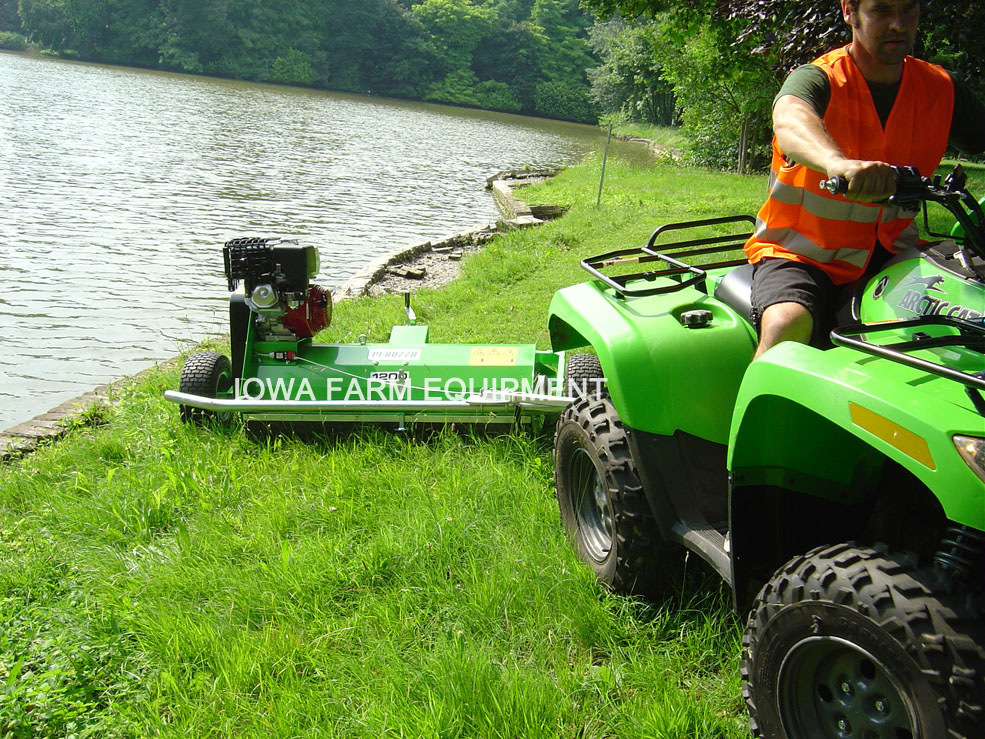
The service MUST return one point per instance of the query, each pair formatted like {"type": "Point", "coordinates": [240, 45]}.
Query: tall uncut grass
{"type": "Point", "coordinates": [158, 579]}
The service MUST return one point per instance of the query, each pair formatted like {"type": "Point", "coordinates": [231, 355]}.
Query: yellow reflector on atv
{"type": "Point", "coordinates": [892, 433]}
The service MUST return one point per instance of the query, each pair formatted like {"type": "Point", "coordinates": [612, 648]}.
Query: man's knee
{"type": "Point", "coordinates": [784, 322]}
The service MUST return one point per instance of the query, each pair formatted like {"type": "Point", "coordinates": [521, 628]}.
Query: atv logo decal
{"type": "Point", "coordinates": [929, 283]}
{"type": "Point", "coordinates": [916, 300]}
{"type": "Point", "coordinates": [880, 288]}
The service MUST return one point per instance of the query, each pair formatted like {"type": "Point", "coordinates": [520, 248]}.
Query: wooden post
{"type": "Point", "coordinates": [605, 156]}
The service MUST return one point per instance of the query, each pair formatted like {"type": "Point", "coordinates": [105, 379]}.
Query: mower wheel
{"type": "Point", "coordinates": [850, 641]}
{"type": "Point", "coordinates": [604, 510]}
{"type": "Point", "coordinates": [583, 375]}
{"type": "Point", "coordinates": [208, 374]}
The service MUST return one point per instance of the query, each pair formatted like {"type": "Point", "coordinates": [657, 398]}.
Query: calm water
{"type": "Point", "coordinates": [118, 188]}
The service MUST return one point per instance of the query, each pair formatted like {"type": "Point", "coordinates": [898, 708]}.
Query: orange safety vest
{"type": "Point", "coordinates": [802, 222]}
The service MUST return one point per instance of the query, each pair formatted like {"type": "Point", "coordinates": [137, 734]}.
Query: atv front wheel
{"type": "Point", "coordinates": [855, 642]}
{"type": "Point", "coordinates": [603, 507]}
{"type": "Point", "coordinates": [207, 374]}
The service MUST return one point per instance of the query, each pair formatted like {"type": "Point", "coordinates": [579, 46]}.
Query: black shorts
{"type": "Point", "coordinates": [786, 281]}
{"type": "Point", "coordinates": [776, 280]}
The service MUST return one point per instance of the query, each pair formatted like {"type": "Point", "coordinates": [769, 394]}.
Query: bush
{"type": "Point", "coordinates": [564, 101]}
{"type": "Point", "coordinates": [295, 69]}
{"type": "Point", "coordinates": [12, 41]}
{"type": "Point", "coordinates": [497, 96]}
{"type": "Point", "coordinates": [457, 87]}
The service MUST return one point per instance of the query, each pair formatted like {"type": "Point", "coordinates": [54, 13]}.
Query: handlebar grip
{"type": "Point", "coordinates": [836, 185]}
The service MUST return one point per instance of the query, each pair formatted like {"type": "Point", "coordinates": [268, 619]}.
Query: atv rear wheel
{"type": "Point", "coordinates": [207, 374]}
{"type": "Point", "coordinates": [603, 507]}
{"type": "Point", "coordinates": [856, 642]}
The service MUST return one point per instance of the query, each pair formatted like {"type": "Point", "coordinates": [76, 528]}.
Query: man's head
{"type": "Point", "coordinates": [883, 31]}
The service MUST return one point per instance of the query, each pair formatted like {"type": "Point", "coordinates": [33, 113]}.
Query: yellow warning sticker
{"type": "Point", "coordinates": [493, 356]}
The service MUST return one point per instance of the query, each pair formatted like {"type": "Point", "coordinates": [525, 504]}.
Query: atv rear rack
{"type": "Point", "coordinates": [682, 273]}
{"type": "Point", "coordinates": [969, 336]}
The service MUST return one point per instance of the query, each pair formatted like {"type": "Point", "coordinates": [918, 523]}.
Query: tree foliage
{"type": "Point", "coordinates": [630, 81]}
{"type": "Point", "coordinates": [9, 20]}
{"type": "Point", "coordinates": [488, 53]}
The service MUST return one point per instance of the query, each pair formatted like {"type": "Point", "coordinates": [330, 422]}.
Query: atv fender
{"type": "Point", "coordinates": [662, 375]}
{"type": "Point", "coordinates": [823, 422]}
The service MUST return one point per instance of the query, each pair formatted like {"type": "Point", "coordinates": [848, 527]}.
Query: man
{"type": "Point", "coordinates": [852, 113]}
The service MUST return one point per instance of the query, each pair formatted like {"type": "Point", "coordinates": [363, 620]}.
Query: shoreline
{"type": "Point", "coordinates": [440, 261]}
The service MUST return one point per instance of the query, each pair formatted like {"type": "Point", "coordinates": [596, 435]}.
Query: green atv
{"type": "Point", "coordinates": [839, 491]}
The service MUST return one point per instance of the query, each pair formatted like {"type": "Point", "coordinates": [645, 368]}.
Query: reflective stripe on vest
{"type": "Point", "coordinates": [799, 221]}
{"type": "Point", "coordinates": [801, 245]}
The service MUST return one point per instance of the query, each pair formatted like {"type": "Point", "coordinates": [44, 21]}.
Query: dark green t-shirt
{"type": "Point", "coordinates": [810, 83]}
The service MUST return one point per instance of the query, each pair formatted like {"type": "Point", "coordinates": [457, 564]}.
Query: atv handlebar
{"type": "Point", "coordinates": [909, 184]}
{"type": "Point", "coordinates": [913, 189]}
{"type": "Point", "coordinates": [837, 185]}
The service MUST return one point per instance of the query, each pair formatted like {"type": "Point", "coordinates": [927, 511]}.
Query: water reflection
{"type": "Point", "coordinates": [119, 186]}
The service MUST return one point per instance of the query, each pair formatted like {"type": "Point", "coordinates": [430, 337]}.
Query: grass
{"type": "Point", "coordinates": [158, 579]}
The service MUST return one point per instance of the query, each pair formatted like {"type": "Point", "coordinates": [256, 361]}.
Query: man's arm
{"type": "Point", "coordinates": [802, 136]}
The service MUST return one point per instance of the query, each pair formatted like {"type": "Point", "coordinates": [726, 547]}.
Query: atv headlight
{"type": "Point", "coordinates": [972, 451]}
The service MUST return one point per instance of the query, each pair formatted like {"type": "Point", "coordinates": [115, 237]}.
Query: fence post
{"type": "Point", "coordinates": [605, 156]}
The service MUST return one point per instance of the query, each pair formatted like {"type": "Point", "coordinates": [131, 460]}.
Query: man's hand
{"type": "Point", "coordinates": [868, 182]}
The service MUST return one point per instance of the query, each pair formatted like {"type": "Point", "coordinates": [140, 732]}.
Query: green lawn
{"type": "Point", "coordinates": [161, 579]}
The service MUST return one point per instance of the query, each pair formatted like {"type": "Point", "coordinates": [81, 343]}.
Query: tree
{"type": "Point", "coordinates": [630, 81]}
{"type": "Point", "coordinates": [9, 20]}
{"type": "Point", "coordinates": [724, 98]}
{"type": "Point", "coordinates": [47, 24]}
{"type": "Point", "coordinates": [133, 32]}
{"type": "Point", "coordinates": [563, 60]}
{"type": "Point", "coordinates": [456, 27]}
{"type": "Point", "coordinates": [511, 57]}
{"type": "Point", "coordinates": [399, 64]}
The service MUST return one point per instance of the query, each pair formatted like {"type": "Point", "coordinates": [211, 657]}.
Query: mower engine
{"type": "Point", "coordinates": [275, 274]}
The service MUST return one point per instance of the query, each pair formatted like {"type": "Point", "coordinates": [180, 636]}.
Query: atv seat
{"type": "Point", "coordinates": [735, 290]}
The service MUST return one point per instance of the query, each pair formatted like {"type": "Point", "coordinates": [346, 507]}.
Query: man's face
{"type": "Point", "coordinates": [886, 28]}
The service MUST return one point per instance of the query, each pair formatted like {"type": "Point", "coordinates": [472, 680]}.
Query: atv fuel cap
{"type": "Point", "coordinates": [696, 318]}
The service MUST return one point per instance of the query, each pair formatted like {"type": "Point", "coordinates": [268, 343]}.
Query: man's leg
{"type": "Point", "coordinates": [784, 322]}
